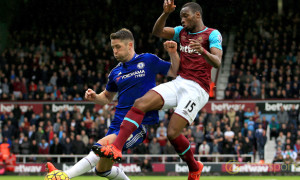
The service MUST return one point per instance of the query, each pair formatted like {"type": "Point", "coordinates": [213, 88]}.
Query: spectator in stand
{"type": "Point", "coordinates": [264, 123]}
{"type": "Point", "coordinates": [289, 153]}
{"type": "Point", "coordinates": [261, 140]}
{"type": "Point", "coordinates": [154, 147]}
{"type": "Point", "coordinates": [274, 128]}
{"type": "Point", "coordinates": [43, 147]}
{"type": "Point", "coordinates": [282, 116]}
{"type": "Point", "coordinates": [204, 149]}
{"type": "Point", "coordinates": [297, 148]}
{"type": "Point", "coordinates": [213, 118]}
{"type": "Point", "coordinates": [162, 140]}
{"type": "Point", "coordinates": [161, 129]}
{"type": "Point", "coordinates": [281, 137]}
{"type": "Point", "coordinates": [146, 166]}
{"type": "Point", "coordinates": [231, 115]}
{"type": "Point", "coordinates": [25, 146]}
{"type": "Point", "coordinates": [248, 114]}
{"type": "Point", "coordinates": [293, 116]}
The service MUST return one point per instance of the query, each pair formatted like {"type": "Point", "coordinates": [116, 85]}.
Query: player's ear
{"type": "Point", "coordinates": [198, 14]}
{"type": "Point", "coordinates": [131, 44]}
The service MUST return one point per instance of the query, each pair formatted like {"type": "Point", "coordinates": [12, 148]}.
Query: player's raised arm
{"type": "Point", "coordinates": [103, 98]}
{"type": "Point", "coordinates": [159, 28]}
{"type": "Point", "coordinates": [171, 48]}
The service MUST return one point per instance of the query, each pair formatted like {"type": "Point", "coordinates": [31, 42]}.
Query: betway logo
{"type": "Point", "coordinates": [56, 108]}
{"type": "Point", "coordinates": [187, 49]}
{"type": "Point", "coordinates": [185, 168]}
{"type": "Point", "coordinates": [24, 168]}
{"type": "Point", "coordinates": [130, 168]}
{"type": "Point", "coordinates": [250, 168]}
{"type": "Point", "coordinates": [136, 74]}
{"type": "Point", "coordinates": [276, 106]}
{"type": "Point", "coordinates": [9, 108]}
{"type": "Point", "coordinates": [221, 107]}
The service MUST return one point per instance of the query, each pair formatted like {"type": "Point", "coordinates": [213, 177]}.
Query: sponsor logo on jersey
{"type": "Point", "coordinates": [136, 74]}
{"type": "Point", "coordinates": [183, 38]}
{"type": "Point", "coordinates": [140, 65]}
{"type": "Point", "coordinates": [187, 49]}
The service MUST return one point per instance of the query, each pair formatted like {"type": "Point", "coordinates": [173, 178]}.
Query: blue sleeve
{"type": "Point", "coordinates": [111, 86]}
{"type": "Point", "coordinates": [159, 66]}
{"type": "Point", "coordinates": [215, 39]}
{"type": "Point", "coordinates": [177, 31]}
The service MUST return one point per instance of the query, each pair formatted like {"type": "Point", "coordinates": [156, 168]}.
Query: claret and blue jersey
{"type": "Point", "coordinates": [132, 80]}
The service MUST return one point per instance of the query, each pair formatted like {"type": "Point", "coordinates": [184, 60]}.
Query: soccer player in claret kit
{"type": "Point", "coordinates": [200, 50]}
{"type": "Point", "coordinates": [131, 79]}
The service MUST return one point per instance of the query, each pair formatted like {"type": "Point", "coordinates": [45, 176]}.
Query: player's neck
{"type": "Point", "coordinates": [130, 56]}
{"type": "Point", "coordinates": [199, 27]}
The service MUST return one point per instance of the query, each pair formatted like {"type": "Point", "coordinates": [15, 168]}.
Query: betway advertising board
{"type": "Point", "coordinates": [266, 107]}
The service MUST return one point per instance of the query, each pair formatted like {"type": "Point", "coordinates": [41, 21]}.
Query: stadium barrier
{"type": "Point", "coordinates": [231, 167]}
{"type": "Point", "coordinates": [129, 158]}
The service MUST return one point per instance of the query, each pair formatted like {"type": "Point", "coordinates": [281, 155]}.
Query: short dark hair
{"type": "Point", "coordinates": [122, 34]}
{"type": "Point", "coordinates": [195, 7]}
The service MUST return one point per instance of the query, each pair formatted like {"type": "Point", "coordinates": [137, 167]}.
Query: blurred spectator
{"type": "Point", "coordinates": [274, 128]}
{"type": "Point", "coordinates": [146, 166]}
{"type": "Point", "coordinates": [154, 147]}
{"type": "Point", "coordinates": [43, 147]}
{"type": "Point", "coordinates": [282, 116]}
{"type": "Point", "coordinates": [204, 148]}
{"type": "Point", "coordinates": [78, 145]}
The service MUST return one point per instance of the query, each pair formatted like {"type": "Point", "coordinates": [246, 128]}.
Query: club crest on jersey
{"type": "Point", "coordinates": [220, 39]}
{"type": "Point", "coordinates": [141, 65]}
{"type": "Point", "coordinates": [118, 78]}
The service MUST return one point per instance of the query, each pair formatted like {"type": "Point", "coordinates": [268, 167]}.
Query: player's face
{"type": "Point", "coordinates": [188, 19]}
{"type": "Point", "coordinates": [120, 49]}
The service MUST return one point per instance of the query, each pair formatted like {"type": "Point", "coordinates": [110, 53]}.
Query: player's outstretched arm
{"type": "Point", "coordinates": [103, 98]}
{"type": "Point", "coordinates": [171, 48]}
{"type": "Point", "coordinates": [159, 28]}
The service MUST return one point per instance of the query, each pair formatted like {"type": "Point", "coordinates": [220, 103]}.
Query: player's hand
{"type": "Point", "coordinates": [196, 45]}
{"type": "Point", "coordinates": [170, 46]}
{"type": "Point", "coordinates": [169, 6]}
{"type": "Point", "coordinates": [90, 95]}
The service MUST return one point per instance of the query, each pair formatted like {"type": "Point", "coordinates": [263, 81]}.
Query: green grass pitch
{"type": "Point", "coordinates": [163, 177]}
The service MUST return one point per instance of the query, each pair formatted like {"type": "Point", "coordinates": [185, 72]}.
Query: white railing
{"type": "Point", "coordinates": [162, 157]}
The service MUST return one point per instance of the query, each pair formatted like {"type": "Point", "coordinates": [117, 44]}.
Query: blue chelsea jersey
{"type": "Point", "coordinates": [132, 80]}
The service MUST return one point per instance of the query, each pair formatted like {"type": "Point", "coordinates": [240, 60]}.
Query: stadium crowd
{"type": "Point", "coordinates": [231, 132]}
{"type": "Point", "coordinates": [266, 57]}
{"type": "Point", "coordinates": [54, 58]}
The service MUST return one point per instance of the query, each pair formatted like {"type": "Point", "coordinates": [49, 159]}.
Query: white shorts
{"type": "Point", "coordinates": [186, 95]}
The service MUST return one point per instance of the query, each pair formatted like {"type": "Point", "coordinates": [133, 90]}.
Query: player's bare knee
{"type": "Point", "coordinates": [140, 104]}
{"type": "Point", "coordinates": [171, 133]}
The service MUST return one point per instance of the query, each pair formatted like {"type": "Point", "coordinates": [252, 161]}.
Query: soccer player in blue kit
{"type": "Point", "coordinates": [133, 77]}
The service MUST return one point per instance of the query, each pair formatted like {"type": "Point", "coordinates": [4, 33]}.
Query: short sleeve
{"type": "Point", "coordinates": [111, 85]}
{"type": "Point", "coordinates": [177, 31]}
{"type": "Point", "coordinates": [159, 66]}
{"type": "Point", "coordinates": [215, 39]}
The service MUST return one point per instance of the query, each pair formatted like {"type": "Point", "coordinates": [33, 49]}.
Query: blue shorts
{"type": "Point", "coordinates": [137, 137]}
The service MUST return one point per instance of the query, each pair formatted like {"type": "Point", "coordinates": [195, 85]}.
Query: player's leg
{"type": "Point", "coordinates": [150, 101]}
{"type": "Point", "coordinates": [90, 161]}
{"type": "Point", "coordinates": [191, 98]}
{"type": "Point", "coordinates": [105, 166]}
{"type": "Point", "coordinates": [161, 96]}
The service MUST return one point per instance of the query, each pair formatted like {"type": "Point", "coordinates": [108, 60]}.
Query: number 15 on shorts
{"type": "Point", "coordinates": [190, 106]}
